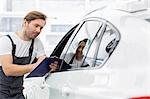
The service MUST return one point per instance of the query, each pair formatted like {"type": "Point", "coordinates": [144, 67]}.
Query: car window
{"type": "Point", "coordinates": [91, 52]}
{"type": "Point", "coordinates": [93, 49]}
{"type": "Point", "coordinates": [107, 45]}
{"type": "Point", "coordinates": [88, 31]}
{"type": "Point", "coordinates": [102, 45]}
{"type": "Point", "coordinates": [101, 40]}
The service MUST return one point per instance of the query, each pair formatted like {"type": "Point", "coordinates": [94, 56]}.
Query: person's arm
{"type": "Point", "coordinates": [11, 69]}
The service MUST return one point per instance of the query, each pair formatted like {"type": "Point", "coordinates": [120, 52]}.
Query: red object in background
{"type": "Point", "coordinates": [143, 97]}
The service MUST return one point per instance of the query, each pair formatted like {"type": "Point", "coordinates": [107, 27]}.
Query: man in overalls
{"type": "Point", "coordinates": [17, 52]}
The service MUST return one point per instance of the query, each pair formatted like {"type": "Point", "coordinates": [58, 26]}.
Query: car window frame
{"type": "Point", "coordinates": [73, 32]}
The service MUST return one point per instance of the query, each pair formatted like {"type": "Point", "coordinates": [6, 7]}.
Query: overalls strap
{"type": "Point", "coordinates": [13, 45]}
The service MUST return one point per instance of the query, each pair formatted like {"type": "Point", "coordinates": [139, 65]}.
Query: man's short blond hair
{"type": "Point", "coordinates": [35, 15]}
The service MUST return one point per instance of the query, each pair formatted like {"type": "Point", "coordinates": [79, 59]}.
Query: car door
{"type": "Point", "coordinates": [76, 83]}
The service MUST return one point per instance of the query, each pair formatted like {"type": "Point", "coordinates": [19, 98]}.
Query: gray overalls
{"type": "Point", "coordinates": [11, 87]}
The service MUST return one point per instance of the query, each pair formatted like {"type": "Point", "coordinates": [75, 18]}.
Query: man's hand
{"type": "Point", "coordinates": [40, 59]}
{"type": "Point", "coordinates": [53, 66]}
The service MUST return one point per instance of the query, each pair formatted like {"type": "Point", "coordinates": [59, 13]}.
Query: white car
{"type": "Point", "coordinates": [118, 55]}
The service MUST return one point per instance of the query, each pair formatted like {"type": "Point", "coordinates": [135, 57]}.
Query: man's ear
{"type": "Point", "coordinates": [24, 22]}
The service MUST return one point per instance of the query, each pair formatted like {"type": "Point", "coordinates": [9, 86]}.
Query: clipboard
{"type": "Point", "coordinates": [42, 68]}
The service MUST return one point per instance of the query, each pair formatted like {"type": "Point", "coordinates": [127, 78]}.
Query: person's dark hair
{"type": "Point", "coordinates": [84, 40]}
{"type": "Point", "coordinates": [34, 15]}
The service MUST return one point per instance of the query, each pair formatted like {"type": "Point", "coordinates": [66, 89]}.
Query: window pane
{"type": "Point", "coordinates": [62, 6]}
{"type": "Point", "coordinates": [60, 28]}
{"type": "Point", "coordinates": [87, 31]}
{"type": "Point", "coordinates": [10, 24]}
{"type": "Point", "coordinates": [107, 45]}
{"type": "Point", "coordinates": [23, 5]}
